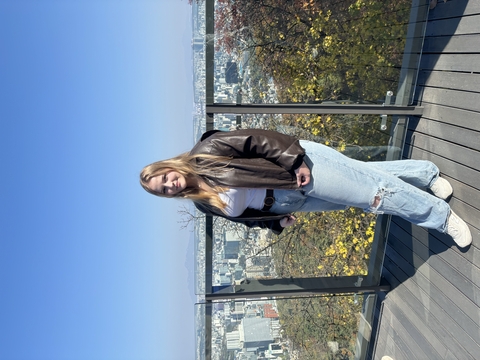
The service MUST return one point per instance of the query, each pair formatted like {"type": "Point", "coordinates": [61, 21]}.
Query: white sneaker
{"type": "Point", "coordinates": [441, 188]}
{"type": "Point", "coordinates": [458, 230]}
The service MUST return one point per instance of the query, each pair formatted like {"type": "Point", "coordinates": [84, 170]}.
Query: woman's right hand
{"type": "Point", "coordinates": [287, 221]}
{"type": "Point", "coordinates": [303, 175]}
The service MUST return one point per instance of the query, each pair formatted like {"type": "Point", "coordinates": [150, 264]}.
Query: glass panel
{"type": "Point", "coordinates": [308, 52]}
{"type": "Point", "coordinates": [330, 327]}
{"type": "Point", "coordinates": [319, 244]}
{"type": "Point", "coordinates": [343, 52]}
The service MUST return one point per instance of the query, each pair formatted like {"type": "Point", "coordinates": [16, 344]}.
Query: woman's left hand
{"type": "Point", "coordinates": [287, 221]}
{"type": "Point", "coordinates": [303, 175]}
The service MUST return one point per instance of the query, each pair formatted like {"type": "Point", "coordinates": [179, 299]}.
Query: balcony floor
{"type": "Point", "coordinates": [433, 309]}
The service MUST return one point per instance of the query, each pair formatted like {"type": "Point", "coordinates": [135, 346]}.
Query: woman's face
{"type": "Point", "coordinates": [170, 183]}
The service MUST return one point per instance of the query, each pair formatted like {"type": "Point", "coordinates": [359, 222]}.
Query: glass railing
{"type": "Point", "coordinates": [295, 52]}
{"type": "Point", "coordinates": [347, 53]}
{"type": "Point", "coordinates": [308, 328]}
{"type": "Point", "coordinates": [319, 244]}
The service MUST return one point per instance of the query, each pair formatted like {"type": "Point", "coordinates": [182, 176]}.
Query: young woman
{"type": "Point", "coordinates": [259, 177]}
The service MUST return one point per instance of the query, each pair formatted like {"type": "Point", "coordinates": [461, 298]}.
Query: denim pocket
{"type": "Point", "coordinates": [287, 201]}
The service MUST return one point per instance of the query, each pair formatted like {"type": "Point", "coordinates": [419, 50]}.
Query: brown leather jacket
{"type": "Point", "coordinates": [259, 159]}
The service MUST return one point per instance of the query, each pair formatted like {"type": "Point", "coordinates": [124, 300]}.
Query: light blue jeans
{"type": "Point", "coordinates": [338, 182]}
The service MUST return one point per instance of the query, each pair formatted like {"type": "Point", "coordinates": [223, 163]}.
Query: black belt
{"type": "Point", "coordinates": [269, 200]}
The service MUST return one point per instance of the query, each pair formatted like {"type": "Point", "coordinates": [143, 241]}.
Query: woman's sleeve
{"type": "Point", "coordinates": [283, 150]}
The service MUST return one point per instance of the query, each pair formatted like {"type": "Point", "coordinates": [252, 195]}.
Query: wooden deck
{"type": "Point", "coordinates": [433, 309]}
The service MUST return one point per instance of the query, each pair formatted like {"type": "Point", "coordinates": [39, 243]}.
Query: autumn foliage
{"type": "Point", "coordinates": [319, 50]}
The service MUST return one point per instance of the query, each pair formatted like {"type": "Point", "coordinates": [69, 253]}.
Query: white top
{"type": "Point", "coordinates": [239, 199]}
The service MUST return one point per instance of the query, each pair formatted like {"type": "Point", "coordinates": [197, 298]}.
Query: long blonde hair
{"type": "Point", "coordinates": [186, 165]}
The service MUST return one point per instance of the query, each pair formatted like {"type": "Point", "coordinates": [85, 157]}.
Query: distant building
{"type": "Point", "coordinates": [257, 333]}
{"type": "Point", "coordinates": [251, 313]}
{"type": "Point", "coordinates": [238, 311]}
{"type": "Point", "coordinates": [261, 260]}
{"type": "Point", "coordinates": [231, 245]}
{"type": "Point", "coordinates": [269, 311]}
{"type": "Point", "coordinates": [239, 274]}
{"type": "Point", "coordinates": [223, 269]}
{"type": "Point", "coordinates": [225, 279]}
{"type": "Point", "coordinates": [255, 272]}
{"type": "Point", "coordinates": [233, 340]}
{"type": "Point", "coordinates": [198, 44]}
{"type": "Point", "coordinates": [275, 349]}
{"type": "Point", "coordinates": [231, 73]}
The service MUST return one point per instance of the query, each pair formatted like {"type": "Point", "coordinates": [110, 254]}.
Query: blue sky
{"type": "Point", "coordinates": [91, 266]}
